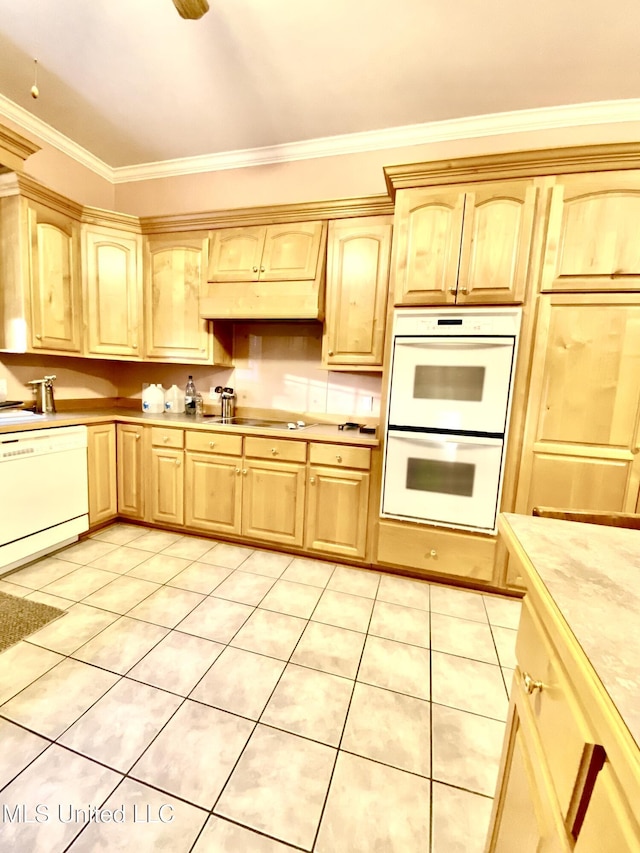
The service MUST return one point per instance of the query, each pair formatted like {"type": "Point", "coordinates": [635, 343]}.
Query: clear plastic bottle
{"type": "Point", "coordinates": [190, 394]}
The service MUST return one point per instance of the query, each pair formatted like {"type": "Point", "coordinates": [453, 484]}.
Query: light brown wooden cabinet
{"type": "Point", "coordinates": [582, 428]}
{"type": "Point", "coordinates": [358, 253]}
{"type": "Point", "coordinates": [175, 271]}
{"type": "Point", "coordinates": [266, 272]}
{"type": "Point", "coordinates": [131, 470]}
{"type": "Point", "coordinates": [213, 484]}
{"type": "Point", "coordinates": [112, 287]}
{"type": "Point", "coordinates": [101, 465]}
{"type": "Point", "coordinates": [592, 241]}
{"type": "Point", "coordinates": [470, 244]}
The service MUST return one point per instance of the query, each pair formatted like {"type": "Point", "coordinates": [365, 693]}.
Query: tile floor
{"type": "Point", "coordinates": [204, 697]}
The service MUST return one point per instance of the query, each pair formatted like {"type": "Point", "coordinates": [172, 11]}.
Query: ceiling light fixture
{"type": "Point", "coordinates": [34, 89]}
{"type": "Point", "coordinates": [191, 9]}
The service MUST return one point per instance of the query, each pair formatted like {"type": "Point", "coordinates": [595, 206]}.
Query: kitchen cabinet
{"type": "Point", "coordinates": [130, 470]}
{"type": "Point", "coordinates": [39, 268]}
{"type": "Point", "coordinates": [581, 442]}
{"type": "Point", "coordinates": [266, 272]}
{"type": "Point", "coordinates": [273, 490]}
{"type": "Point", "coordinates": [101, 459]}
{"type": "Point", "coordinates": [358, 253]}
{"type": "Point", "coordinates": [569, 778]}
{"type": "Point", "coordinates": [592, 236]}
{"type": "Point", "coordinates": [434, 551]}
{"type": "Point", "coordinates": [463, 245]}
{"type": "Point", "coordinates": [175, 271]}
{"type": "Point", "coordinates": [166, 501]}
{"type": "Point", "coordinates": [112, 287]}
{"type": "Point", "coordinates": [213, 484]}
{"type": "Point", "coordinates": [338, 500]}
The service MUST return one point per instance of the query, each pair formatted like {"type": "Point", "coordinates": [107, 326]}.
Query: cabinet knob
{"type": "Point", "coordinates": [330, 352]}
{"type": "Point", "coordinates": [165, 438]}
{"type": "Point", "coordinates": [274, 452]}
{"type": "Point", "coordinates": [261, 269]}
{"type": "Point", "coordinates": [38, 337]}
{"type": "Point", "coordinates": [178, 462]}
{"type": "Point", "coordinates": [432, 553]}
{"type": "Point", "coordinates": [237, 470]}
{"type": "Point", "coordinates": [255, 269]}
{"type": "Point", "coordinates": [138, 436]}
{"type": "Point", "coordinates": [530, 684]}
{"type": "Point", "coordinates": [244, 472]}
{"type": "Point", "coordinates": [338, 458]}
{"type": "Point", "coordinates": [212, 444]}
{"type": "Point", "coordinates": [463, 290]}
{"type": "Point", "coordinates": [312, 480]}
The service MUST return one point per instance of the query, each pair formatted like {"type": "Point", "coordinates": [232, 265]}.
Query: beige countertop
{"type": "Point", "coordinates": [317, 432]}
{"type": "Point", "coordinates": [592, 573]}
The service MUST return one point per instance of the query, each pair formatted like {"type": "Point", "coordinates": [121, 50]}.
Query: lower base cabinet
{"type": "Point", "coordinates": [101, 458]}
{"type": "Point", "coordinates": [273, 501]}
{"type": "Point", "coordinates": [337, 512]}
{"type": "Point", "coordinates": [167, 488]}
{"type": "Point", "coordinates": [213, 493]}
{"type": "Point", "coordinates": [130, 454]}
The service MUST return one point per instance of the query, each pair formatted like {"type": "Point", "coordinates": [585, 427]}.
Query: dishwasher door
{"type": "Point", "coordinates": [44, 500]}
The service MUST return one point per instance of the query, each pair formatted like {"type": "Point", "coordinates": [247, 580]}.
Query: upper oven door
{"type": "Point", "coordinates": [451, 383]}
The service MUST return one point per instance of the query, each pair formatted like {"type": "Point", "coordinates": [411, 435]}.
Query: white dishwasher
{"type": "Point", "coordinates": [44, 497]}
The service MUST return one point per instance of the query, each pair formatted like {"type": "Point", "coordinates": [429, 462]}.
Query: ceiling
{"type": "Point", "coordinates": [132, 82]}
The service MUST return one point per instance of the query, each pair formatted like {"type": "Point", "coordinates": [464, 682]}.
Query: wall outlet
{"type": "Point", "coordinates": [212, 393]}
{"type": "Point", "coordinates": [365, 405]}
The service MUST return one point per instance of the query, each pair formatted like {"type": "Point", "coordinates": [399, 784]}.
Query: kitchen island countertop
{"type": "Point", "coordinates": [591, 574]}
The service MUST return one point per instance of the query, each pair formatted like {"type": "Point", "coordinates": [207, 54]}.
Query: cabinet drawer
{"type": "Point", "coordinates": [275, 448]}
{"type": "Point", "coordinates": [560, 720]}
{"type": "Point", "coordinates": [167, 437]}
{"type": "Point", "coordinates": [339, 455]}
{"type": "Point", "coordinates": [215, 442]}
{"type": "Point", "coordinates": [437, 551]}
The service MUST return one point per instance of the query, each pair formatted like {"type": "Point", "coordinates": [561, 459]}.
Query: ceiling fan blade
{"type": "Point", "coordinates": [191, 9]}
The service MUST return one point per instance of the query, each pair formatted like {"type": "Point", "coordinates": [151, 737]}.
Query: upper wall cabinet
{"type": "Point", "coordinates": [175, 266]}
{"type": "Point", "coordinates": [266, 272]}
{"type": "Point", "coordinates": [357, 286]}
{"type": "Point", "coordinates": [593, 237]}
{"type": "Point", "coordinates": [112, 282]}
{"type": "Point", "coordinates": [470, 244]}
{"type": "Point", "coordinates": [40, 269]}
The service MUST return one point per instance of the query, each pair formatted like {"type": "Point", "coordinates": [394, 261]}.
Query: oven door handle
{"type": "Point", "coordinates": [428, 438]}
{"type": "Point", "coordinates": [440, 344]}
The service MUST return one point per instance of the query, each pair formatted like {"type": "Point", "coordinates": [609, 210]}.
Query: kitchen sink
{"type": "Point", "coordinates": [262, 423]}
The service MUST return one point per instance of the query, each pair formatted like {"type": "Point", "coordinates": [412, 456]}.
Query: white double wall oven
{"type": "Point", "coordinates": [449, 402]}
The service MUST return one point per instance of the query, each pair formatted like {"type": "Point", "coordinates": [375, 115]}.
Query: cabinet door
{"type": "Point", "coordinates": [101, 457]}
{"type": "Point", "coordinates": [129, 465]}
{"type": "Point", "coordinates": [213, 493]}
{"type": "Point", "coordinates": [496, 242]}
{"type": "Point", "coordinates": [291, 252]}
{"type": "Point", "coordinates": [174, 270]}
{"type": "Point", "coordinates": [273, 501]}
{"type": "Point", "coordinates": [55, 280]}
{"type": "Point", "coordinates": [592, 237]}
{"type": "Point", "coordinates": [113, 291]}
{"type": "Point", "coordinates": [167, 485]}
{"type": "Point", "coordinates": [581, 437]}
{"type": "Point", "coordinates": [236, 254]}
{"type": "Point", "coordinates": [428, 236]}
{"type": "Point", "coordinates": [337, 507]}
{"type": "Point", "coordinates": [357, 286]}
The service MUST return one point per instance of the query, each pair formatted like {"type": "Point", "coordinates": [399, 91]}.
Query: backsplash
{"type": "Point", "coordinates": [277, 367]}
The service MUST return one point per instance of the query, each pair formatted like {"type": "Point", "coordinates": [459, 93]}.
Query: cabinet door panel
{"type": "Point", "coordinates": [236, 254]}
{"type": "Point", "coordinates": [129, 464]}
{"type": "Point", "coordinates": [428, 227]}
{"type": "Point", "coordinates": [55, 285]}
{"type": "Point", "coordinates": [591, 383]}
{"type": "Point", "coordinates": [167, 488]}
{"type": "Point", "coordinates": [101, 456]}
{"type": "Point", "coordinates": [497, 234]}
{"type": "Point", "coordinates": [113, 292]}
{"type": "Point", "coordinates": [608, 826]}
{"type": "Point", "coordinates": [291, 252]}
{"type": "Point", "coordinates": [592, 238]}
{"type": "Point", "coordinates": [578, 482]}
{"type": "Point", "coordinates": [337, 507]}
{"type": "Point", "coordinates": [213, 493]}
{"type": "Point", "coordinates": [357, 286]}
{"type": "Point", "coordinates": [273, 501]}
{"type": "Point", "coordinates": [173, 276]}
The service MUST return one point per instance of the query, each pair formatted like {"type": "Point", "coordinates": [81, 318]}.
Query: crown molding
{"type": "Point", "coordinates": [14, 150]}
{"type": "Point", "coordinates": [46, 133]}
{"type": "Point", "coordinates": [494, 124]}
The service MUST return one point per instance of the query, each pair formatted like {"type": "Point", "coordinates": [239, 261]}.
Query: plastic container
{"type": "Point", "coordinates": [190, 395]}
{"type": "Point", "coordinates": [154, 400]}
{"type": "Point", "coordinates": [174, 400]}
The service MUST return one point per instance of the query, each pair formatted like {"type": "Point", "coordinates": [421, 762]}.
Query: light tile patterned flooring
{"type": "Point", "coordinates": [263, 702]}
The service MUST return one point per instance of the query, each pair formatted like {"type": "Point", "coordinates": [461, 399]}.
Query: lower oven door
{"type": "Point", "coordinates": [451, 480]}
